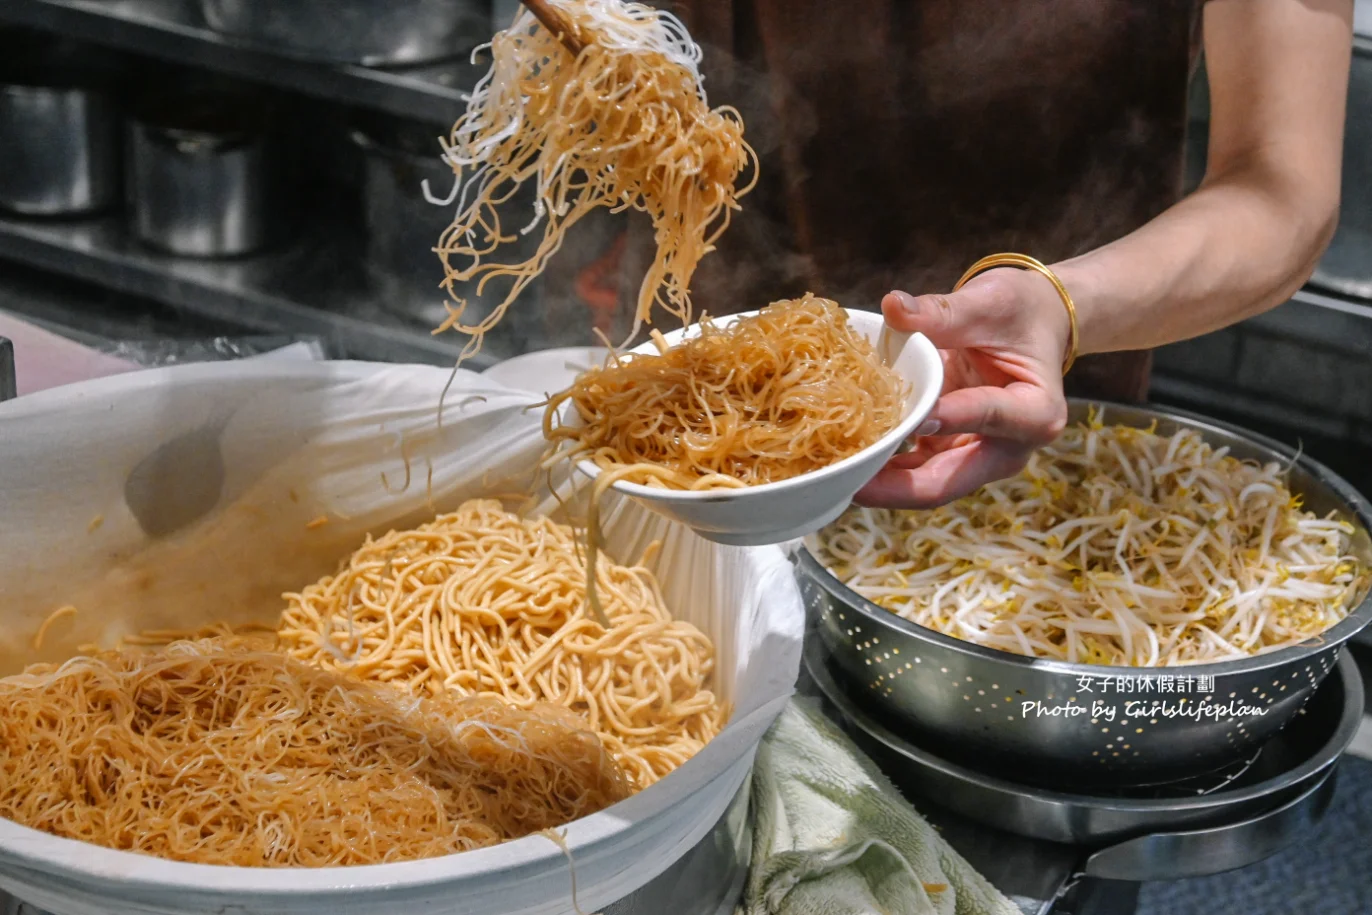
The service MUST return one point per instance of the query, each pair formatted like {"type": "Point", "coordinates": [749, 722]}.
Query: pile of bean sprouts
{"type": "Point", "coordinates": [1115, 546]}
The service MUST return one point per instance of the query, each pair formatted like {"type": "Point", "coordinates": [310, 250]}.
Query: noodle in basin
{"type": "Point", "coordinates": [482, 602]}
{"type": "Point", "coordinates": [1114, 546]}
{"type": "Point", "coordinates": [213, 752]}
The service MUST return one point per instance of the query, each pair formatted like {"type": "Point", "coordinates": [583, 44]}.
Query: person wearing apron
{"type": "Point", "coordinates": [901, 142]}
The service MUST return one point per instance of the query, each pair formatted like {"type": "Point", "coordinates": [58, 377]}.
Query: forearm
{"type": "Point", "coordinates": [1238, 246]}
{"type": "Point", "coordinates": [1253, 232]}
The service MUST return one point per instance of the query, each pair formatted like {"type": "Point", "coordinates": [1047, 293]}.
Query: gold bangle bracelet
{"type": "Point", "coordinates": [1025, 262]}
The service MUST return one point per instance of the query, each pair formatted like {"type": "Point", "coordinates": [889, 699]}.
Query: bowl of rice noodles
{"type": "Point", "coordinates": [277, 638]}
{"type": "Point", "coordinates": [753, 429]}
{"type": "Point", "coordinates": [1154, 597]}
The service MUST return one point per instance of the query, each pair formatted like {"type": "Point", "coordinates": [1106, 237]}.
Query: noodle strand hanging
{"type": "Point", "coordinates": [624, 125]}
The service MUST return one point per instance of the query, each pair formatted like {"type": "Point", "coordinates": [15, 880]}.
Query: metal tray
{"type": "Point", "coordinates": [971, 701]}
{"type": "Point", "coordinates": [1302, 756]}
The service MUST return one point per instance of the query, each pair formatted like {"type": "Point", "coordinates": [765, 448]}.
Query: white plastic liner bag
{"type": "Point", "coordinates": [176, 497]}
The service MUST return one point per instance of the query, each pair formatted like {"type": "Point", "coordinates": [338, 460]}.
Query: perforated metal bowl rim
{"type": "Point", "coordinates": [1355, 507]}
{"type": "Point", "coordinates": [1320, 760]}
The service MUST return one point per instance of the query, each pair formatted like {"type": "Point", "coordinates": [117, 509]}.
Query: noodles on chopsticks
{"type": "Point", "coordinates": [1114, 546]}
{"type": "Point", "coordinates": [624, 125]}
{"type": "Point", "coordinates": [482, 602]}
{"type": "Point", "coordinates": [212, 753]}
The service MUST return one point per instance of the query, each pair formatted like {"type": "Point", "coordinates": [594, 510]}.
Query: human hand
{"type": "Point", "coordinates": [1003, 338]}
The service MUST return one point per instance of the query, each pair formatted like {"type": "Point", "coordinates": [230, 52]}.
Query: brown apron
{"type": "Point", "coordinates": [902, 140]}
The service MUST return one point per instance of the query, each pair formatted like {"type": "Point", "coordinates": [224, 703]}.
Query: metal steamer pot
{"type": "Point", "coordinates": [60, 124]}
{"type": "Point", "coordinates": [1139, 726]}
{"type": "Point", "coordinates": [403, 226]}
{"type": "Point", "coordinates": [203, 180]}
{"type": "Point", "coordinates": [370, 32]}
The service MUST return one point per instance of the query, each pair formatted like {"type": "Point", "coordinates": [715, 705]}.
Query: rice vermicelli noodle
{"type": "Point", "coordinates": [624, 125]}
{"type": "Point", "coordinates": [769, 397]}
{"type": "Point", "coordinates": [215, 752]}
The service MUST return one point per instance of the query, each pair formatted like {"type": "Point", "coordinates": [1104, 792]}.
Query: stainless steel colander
{"type": "Point", "coordinates": [1135, 726]}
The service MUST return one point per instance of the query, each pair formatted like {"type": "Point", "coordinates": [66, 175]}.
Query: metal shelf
{"type": "Point", "coordinates": [173, 30]}
{"type": "Point", "coordinates": [318, 286]}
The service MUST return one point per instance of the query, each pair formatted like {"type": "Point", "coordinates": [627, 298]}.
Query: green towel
{"type": "Point", "coordinates": [832, 836]}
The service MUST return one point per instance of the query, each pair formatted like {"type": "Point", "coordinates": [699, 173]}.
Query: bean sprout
{"type": "Point", "coordinates": [1114, 546]}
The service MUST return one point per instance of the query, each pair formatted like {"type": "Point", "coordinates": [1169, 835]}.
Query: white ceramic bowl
{"type": "Point", "coordinates": [782, 511]}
